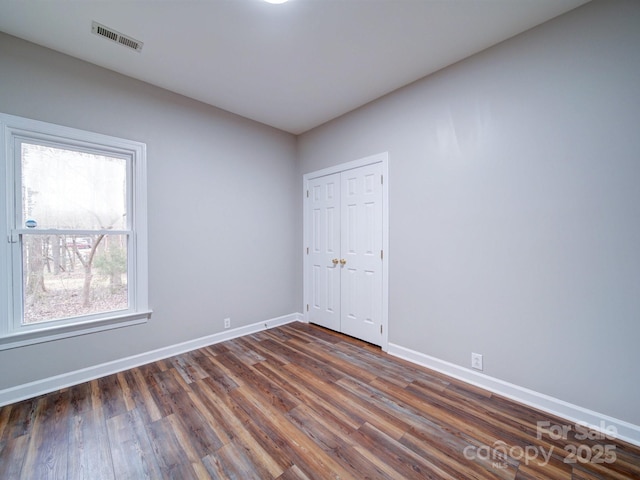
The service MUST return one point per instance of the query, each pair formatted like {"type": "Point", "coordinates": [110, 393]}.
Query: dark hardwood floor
{"type": "Point", "coordinates": [294, 402]}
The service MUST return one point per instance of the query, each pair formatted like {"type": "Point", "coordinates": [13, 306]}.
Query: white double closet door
{"type": "Point", "coordinates": [345, 257]}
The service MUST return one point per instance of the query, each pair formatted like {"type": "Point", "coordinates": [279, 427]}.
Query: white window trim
{"type": "Point", "coordinates": [12, 126]}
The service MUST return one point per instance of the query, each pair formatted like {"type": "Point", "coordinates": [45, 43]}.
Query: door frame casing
{"type": "Point", "coordinates": [382, 158]}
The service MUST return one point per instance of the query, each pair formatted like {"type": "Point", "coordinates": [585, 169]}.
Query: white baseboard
{"type": "Point", "coordinates": [575, 414]}
{"type": "Point", "coordinates": [51, 384]}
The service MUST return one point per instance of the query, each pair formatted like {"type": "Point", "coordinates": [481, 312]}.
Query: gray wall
{"type": "Point", "coordinates": [515, 207]}
{"type": "Point", "coordinates": [222, 198]}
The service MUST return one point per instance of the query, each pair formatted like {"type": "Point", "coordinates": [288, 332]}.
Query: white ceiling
{"type": "Point", "coordinates": [292, 66]}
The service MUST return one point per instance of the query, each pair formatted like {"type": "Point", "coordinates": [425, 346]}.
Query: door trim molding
{"type": "Point", "coordinates": [383, 159]}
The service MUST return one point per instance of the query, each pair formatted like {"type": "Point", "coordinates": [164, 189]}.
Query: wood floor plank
{"type": "Point", "coordinates": [384, 469]}
{"type": "Point", "coordinates": [111, 396]}
{"type": "Point", "coordinates": [177, 399]}
{"type": "Point", "coordinates": [80, 399]}
{"type": "Point", "coordinates": [278, 335]}
{"type": "Point", "coordinates": [355, 406]}
{"type": "Point", "coordinates": [12, 455]}
{"type": "Point", "coordinates": [190, 442]}
{"type": "Point", "coordinates": [95, 395]}
{"type": "Point", "coordinates": [206, 414]}
{"type": "Point", "coordinates": [417, 404]}
{"type": "Point", "coordinates": [216, 373]}
{"type": "Point", "coordinates": [448, 454]}
{"type": "Point", "coordinates": [293, 402]}
{"type": "Point", "coordinates": [245, 375]}
{"type": "Point", "coordinates": [301, 449]}
{"type": "Point", "coordinates": [217, 349]}
{"type": "Point", "coordinates": [174, 458]}
{"type": "Point", "coordinates": [529, 472]}
{"type": "Point", "coordinates": [232, 462]}
{"type": "Point", "coordinates": [20, 418]}
{"type": "Point", "coordinates": [5, 415]}
{"type": "Point", "coordinates": [341, 418]}
{"type": "Point", "coordinates": [230, 420]}
{"type": "Point", "coordinates": [293, 473]}
{"type": "Point", "coordinates": [220, 404]}
{"type": "Point", "coordinates": [259, 347]}
{"type": "Point", "coordinates": [332, 441]}
{"type": "Point", "coordinates": [327, 357]}
{"type": "Point", "coordinates": [402, 460]}
{"type": "Point", "coordinates": [89, 449]}
{"type": "Point", "coordinates": [131, 452]}
{"type": "Point", "coordinates": [203, 437]}
{"type": "Point", "coordinates": [245, 353]}
{"type": "Point", "coordinates": [141, 396]}
{"type": "Point", "coordinates": [188, 368]}
{"type": "Point", "coordinates": [579, 474]}
{"type": "Point", "coordinates": [127, 393]}
{"type": "Point", "coordinates": [215, 468]}
{"type": "Point", "coordinates": [459, 419]}
{"type": "Point", "coordinates": [46, 454]}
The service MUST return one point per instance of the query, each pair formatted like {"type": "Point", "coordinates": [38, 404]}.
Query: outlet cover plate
{"type": "Point", "coordinates": [476, 361]}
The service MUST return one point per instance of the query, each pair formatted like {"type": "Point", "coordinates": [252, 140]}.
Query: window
{"type": "Point", "coordinates": [75, 229]}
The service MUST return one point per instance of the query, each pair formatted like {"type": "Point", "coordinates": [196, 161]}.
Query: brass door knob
{"type": "Point", "coordinates": [335, 261]}
{"type": "Point", "coordinates": [342, 261]}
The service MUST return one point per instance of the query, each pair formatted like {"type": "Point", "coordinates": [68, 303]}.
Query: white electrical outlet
{"type": "Point", "coordinates": [476, 361]}
{"type": "Point", "coordinates": [227, 323]}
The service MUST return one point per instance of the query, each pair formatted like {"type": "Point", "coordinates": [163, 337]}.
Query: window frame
{"type": "Point", "coordinates": [13, 132]}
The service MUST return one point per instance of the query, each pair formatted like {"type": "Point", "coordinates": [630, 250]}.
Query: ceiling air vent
{"type": "Point", "coordinates": [111, 34]}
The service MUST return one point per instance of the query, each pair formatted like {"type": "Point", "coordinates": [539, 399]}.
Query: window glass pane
{"type": "Point", "coordinates": [66, 276]}
{"type": "Point", "coordinates": [69, 189]}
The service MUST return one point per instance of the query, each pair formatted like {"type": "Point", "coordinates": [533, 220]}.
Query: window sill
{"type": "Point", "coordinates": [22, 339]}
